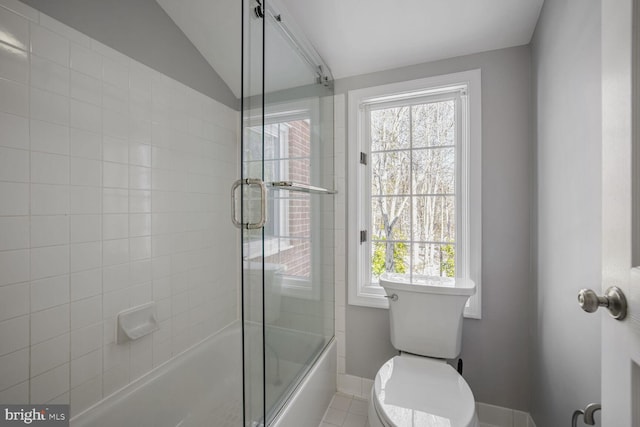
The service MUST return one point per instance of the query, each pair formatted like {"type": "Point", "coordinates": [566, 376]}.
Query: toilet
{"type": "Point", "coordinates": [418, 388]}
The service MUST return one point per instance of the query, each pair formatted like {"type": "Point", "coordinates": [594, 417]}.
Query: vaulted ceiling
{"type": "Point", "coordinates": [356, 36]}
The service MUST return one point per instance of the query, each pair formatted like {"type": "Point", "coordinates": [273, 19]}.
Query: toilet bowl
{"type": "Point", "coordinates": [420, 392]}
{"type": "Point", "coordinates": [418, 388]}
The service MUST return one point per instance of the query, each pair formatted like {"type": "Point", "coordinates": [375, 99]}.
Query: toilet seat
{"type": "Point", "coordinates": [418, 391]}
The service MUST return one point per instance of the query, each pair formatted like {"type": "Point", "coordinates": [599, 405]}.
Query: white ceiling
{"type": "Point", "coordinates": [356, 36]}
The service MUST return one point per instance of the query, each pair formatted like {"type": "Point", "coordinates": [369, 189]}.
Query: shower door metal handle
{"type": "Point", "coordinates": [263, 203]}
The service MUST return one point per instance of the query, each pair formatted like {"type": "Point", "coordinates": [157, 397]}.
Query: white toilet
{"type": "Point", "coordinates": [418, 388]}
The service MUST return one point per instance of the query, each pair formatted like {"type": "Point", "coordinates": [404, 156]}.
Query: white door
{"type": "Point", "coordinates": [620, 339]}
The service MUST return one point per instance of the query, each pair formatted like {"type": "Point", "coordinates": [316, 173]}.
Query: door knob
{"type": "Point", "coordinates": [613, 299]}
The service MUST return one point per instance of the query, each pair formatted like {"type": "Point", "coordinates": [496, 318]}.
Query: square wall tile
{"type": "Point", "coordinates": [49, 354]}
{"type": "Point", "coordinates": [49, 292]}
{"type": "Point", "coordinates": [50, 45]}
{"type": "Point", "coordinates": [86, 61]}
{"type": "Point", "coordinates": [86, 172]}
{"type": "Point", "coordinates": [14, 165]}
{"type": "Point", "coordinates": [49, 107]}
{"type": "Point", "coordinates": [15, 199]}
{"type": "Point", "coordinates": [49, 168]}
{"type": "Point", "coordinates": [85, 228]}
{"type": "Point", "coordinates": [14, 335]}
{"type": "Point", "coordinates": [86, 340]}
{"type": "Point", "coordinates": [14, 131]}
{"type": "Point", "coordinates": [49, 385]}
{"type": "Point", "coordinates": [115, 150]}
{"type": "Point", "coordinates": [85, 256]}
{"type": "Point", "coordinates": [49, 230]}
{"type": "Point", "coordinates": [86, 144]}
{"type": "Point", "coordinates": [18, 392]}
{"type": "Point", "coordinates": [86, 312]}
{"type": "Point", "coordinates": [14, 64]}
{"type": "Point", "coordinates": [50, 323]}
{"type": "Point", "coordinates": [49, 137]}
{"type": "Point", "coordinates": [14, 368]}
{"type": "Point", "coordinates": [49, 76]}
{"type": "Point", "coordinates": [15, 268]}
{"type": "Point", "coordinates": [85, 200]}
{"type": "Point", "coordinates": [85, 88]}
{"type": "Point", "coordinates": [49, 261]}
{"type": "Point", "coordinates": [49, 199]}
{"type": "Point", "coordinates": [115, 252]}
{"type": "Point", "coordinates": [86, 367]}
{"type": "Point", "coordinates": [86, 116]}
{"type": "Point", "coordinates": [14, 232]}
{"type": "Point", "coordinates": [115, 175]}
{"type": "Point", "coordinates": [14, 29]}
{"type": "Point", "coordinates": [14, 98]}
{"type": "Point", "coordinates": [116, 72]}
{"type": "Point", "coordinates": [86, 284]}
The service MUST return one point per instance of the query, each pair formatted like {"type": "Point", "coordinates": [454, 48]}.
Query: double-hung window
{"type": "Point", "coordinates": [414, 173]}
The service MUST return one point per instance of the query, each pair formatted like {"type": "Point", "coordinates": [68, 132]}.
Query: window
{"type": "Point", "coordinates": [415, 168]}
{"type": "Point", "coordinates": [284, 153]}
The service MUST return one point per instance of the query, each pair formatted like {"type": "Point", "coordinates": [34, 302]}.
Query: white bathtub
{"type": "Point", "coordinates": [203, 387]}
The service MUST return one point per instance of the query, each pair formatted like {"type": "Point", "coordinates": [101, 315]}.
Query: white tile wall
{"type": "Point", "coordinates": [111, 191]}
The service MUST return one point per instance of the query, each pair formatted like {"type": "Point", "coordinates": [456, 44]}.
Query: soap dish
{"type": "Point", "coordinates": [136, 322]}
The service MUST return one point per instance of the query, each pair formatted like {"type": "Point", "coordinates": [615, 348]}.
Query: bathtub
{"type": "Point", "coordinates": [203, 387]}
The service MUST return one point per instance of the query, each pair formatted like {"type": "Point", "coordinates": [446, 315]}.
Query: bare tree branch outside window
{"type": "Point", "coordinates": [413, 189]}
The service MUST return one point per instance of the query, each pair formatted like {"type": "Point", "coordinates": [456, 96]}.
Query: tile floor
{"type": "Point", "coordinates": [349, 411]}
{"type": "Point", "coordinates": [346, 411]}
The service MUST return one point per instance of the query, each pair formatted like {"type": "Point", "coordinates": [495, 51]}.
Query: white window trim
{"type": "Point", "coordinates": [470, 230]}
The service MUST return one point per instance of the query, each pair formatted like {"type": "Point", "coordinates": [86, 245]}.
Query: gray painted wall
{"type": "Point", "coordinates": [142, 30]}
{"type": "Point", "coordinates": [495, 349]}
{"type": "Point", "coordinates": [567, 97]}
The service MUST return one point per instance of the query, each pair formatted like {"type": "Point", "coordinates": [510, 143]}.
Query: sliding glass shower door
{"type": "Point", "coordinates": [284, 204]}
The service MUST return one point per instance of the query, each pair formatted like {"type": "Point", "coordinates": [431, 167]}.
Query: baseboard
{"type": "Point", "coordinates": [489, 415]}
{"type": "Point", "coordinates": [497, 416]}
{"type": "Point", "coordinates": [355, 386]}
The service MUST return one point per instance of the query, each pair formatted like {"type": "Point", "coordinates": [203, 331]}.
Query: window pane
{"type": "Point", "coordinates": [434, 171]}
{"type": "Point", "coordinates": [390, 218]}
{"type": "Point", "coordinates": [434, 124]}
{"type": "Point", "coordinates": [272, 141]}
{"type": "Point", "coordinates": [252, 146]}
{"type": "Point", "coordinates": [434, 260]}
{"type": "Point", "coordinates": [389, 257]}
{"type": "Point", "coordinates": [390, 173]}
{"type": "Point", "coordinates": [434, 219]}
{"type": "Point", "coordinates": [390, 129]}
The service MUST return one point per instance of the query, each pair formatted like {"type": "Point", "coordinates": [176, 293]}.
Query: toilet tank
{"type": "Point", "coordinates": [426, 314]}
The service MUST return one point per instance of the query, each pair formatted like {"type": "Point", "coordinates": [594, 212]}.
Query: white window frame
{"type": "Point", "coordinates": [468, 181]}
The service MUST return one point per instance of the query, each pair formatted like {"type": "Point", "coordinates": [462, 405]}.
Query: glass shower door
{"type": "Point", "coordinates": [285, 210]}
{"type": "Point", "coordinates": [298, 236]}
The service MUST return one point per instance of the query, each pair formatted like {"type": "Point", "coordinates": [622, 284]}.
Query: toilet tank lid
{"type": "Point", "coordinates": [428, 284]}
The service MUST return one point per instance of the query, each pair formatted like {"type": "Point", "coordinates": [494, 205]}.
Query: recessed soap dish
{"type": "Point", "coordinates": [136, 322]}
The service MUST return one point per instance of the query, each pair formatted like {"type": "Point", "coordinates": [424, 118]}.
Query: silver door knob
{"type": "Point", "coordinates": [613, 299]}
